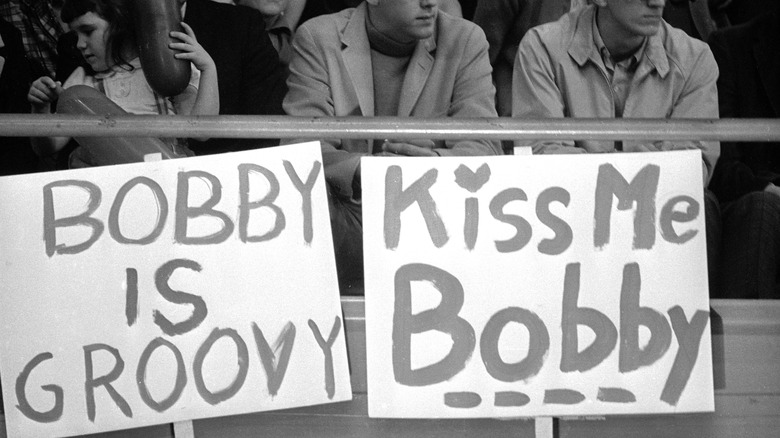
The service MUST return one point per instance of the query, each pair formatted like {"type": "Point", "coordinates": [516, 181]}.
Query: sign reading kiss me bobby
{"type": "Point", "coordinates": [536, 286]}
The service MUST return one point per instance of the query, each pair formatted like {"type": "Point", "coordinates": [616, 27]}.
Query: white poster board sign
{"type": "Point", "coordinates": [536, 285]}
{"type": "Point", "coordinates": [161, 292]}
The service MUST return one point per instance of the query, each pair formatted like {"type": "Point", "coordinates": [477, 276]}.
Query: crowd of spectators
{"type": "Point", "coordinates": [454, 58]}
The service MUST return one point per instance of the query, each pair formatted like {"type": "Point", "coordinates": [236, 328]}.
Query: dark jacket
{"type": "Point", "coordinates": [748, 57]}
{"type": "Point", "coordinates": [251, 79]}
{"type": "Point", "coordinates": [16, 155]}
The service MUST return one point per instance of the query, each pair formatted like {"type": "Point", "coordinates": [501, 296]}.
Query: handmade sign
{"type": "Point", "coordinates": [536, 286]}
{"type": "Point", "coordinates": [160, 292]}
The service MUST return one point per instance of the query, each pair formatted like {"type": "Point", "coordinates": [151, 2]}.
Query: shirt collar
{"type": "Point", "coordinates": [606, 57]}
{"type": "Point", "coordinates": [280, 24]}
{"type": "Point", "coordinates": [584, 45]}
{"type": "Point", "coordinates": [135, 63]}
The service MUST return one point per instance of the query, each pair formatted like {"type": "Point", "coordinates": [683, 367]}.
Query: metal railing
{"type": "Point", "coordinates": [288, 127]}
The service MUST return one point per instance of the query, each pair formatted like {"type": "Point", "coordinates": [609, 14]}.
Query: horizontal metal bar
{"type": "Point", "coordinates": [287, 127]}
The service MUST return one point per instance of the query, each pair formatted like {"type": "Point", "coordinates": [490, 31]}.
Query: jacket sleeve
{"type": "Point", "coordinates": [733, 177]}
{"type": "Point", "coordinates": [473, 96]}
{"type": "Point", "coordinates": [699, 100]}
{"type": "Point", "coordinates": [309, 95]}
{"type": "Point", "coordinates": [535, 94]}
{"type": "Point", "coordinates": [261, 70]}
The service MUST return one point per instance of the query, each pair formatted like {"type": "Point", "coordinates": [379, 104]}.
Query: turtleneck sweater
{"type": "Point", "coordinates": [389, 60]}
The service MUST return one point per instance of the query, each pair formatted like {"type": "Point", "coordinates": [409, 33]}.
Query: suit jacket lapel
{"type": "Point", "coordinates": [416, 75]}
{"type": "Point", "coordinates": [767, 55]}
{"type": "Point", "coordinates": [356, 53]}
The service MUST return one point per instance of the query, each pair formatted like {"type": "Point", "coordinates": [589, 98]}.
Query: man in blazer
{"type": "Point", "coordinates": [747, 176]}
{"type": "Point", "coordinates": [386, 58]}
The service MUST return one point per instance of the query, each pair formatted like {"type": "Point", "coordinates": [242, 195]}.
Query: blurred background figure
{"type": "Point", "coordinates": [505, 22]}
{"type": "Point", "coordinates": [747, 175]}
{"type": "Point", "coordinates": [742, 11]}
{"type": "Point", "coordinates": [281, 19]}
{"type": "Point", "coordinates": [251, 78]}
{"type": "Point", "coordinates": [40, 28]}
{"type": "Point", "coordinates": [698, 18]}
{"type": "Point", "coordinates": [468, 7]}
{"type": "Point", "coordinates": [16, 156]}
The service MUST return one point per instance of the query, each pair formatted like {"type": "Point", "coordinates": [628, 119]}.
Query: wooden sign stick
{"type": "Point", "coordinates": [181, 429]}
{"type": "Point", "coordinates": [543, 427]}
{"type": "Point", "coordinates": [185, 429]}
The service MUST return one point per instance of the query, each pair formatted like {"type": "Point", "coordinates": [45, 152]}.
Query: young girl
{"type": "Point", "coordinates": [107, 42]}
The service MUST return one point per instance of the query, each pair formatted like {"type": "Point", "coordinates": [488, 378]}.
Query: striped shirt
{"type": "Point", "coordinates": [40, 30]}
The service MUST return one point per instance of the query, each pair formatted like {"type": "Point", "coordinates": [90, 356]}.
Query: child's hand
{"type": "Point", "coordinates": [191, 50]}
{"type": "Point", "coordinates": [43, 92]}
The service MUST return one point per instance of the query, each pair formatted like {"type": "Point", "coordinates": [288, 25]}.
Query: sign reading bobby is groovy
{"type": "Point", "coordinates": [166, 291]}
{"type": "Point", "coordinates": [536, 285]}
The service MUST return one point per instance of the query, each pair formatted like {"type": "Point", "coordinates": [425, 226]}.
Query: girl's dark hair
{"type": "Point", "coordinates": [118, 15]}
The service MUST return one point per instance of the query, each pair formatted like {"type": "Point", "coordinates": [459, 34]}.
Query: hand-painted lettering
{"type": "Point", "coordinates": [669, 216]}
{"type": "Point", "coordinates": [53, 414]}
{"type": "Point", "coordinates": [689, 340]}
{"type": "Point", "coordinates": [131, 296]}
{"type": "Point", "coordinates": [274, 360]}
{"type": "Point", "coordinates": [85, 219]}
{"type": "Point", "coordinates": [211, 213]}
{"type": "Point", "coordinates": [563, 233]}
{"type": "Point", "coordinates": [632, 315]}
{"type": "Point", "coordinates": [572, 316]}
{"type": "Point", "coordinates": [161, 212]}
{"type": "Point", "coordinates": [91, 382]}
{"type": "Point", "coordinates": [397, 200]}
{"type": "Point", "coordinates": [327, 351]}
{"type": "Point", "coordinates": [538, 345]}
{"type": "Point", "coordinates": [471, 181]}
{"type": "Point", "coordinates": [275, 367]}
{"type": "Point", "coordinates": [524, 231]}
{"type": "Point", "coordinates": [184, 212]}
{"type": "Point", "coordinates": [199, 311]}
{"type": "Point", "coordinates": [641, 191]}
{"type": "Point", "coordinates": [305, 189]}
{"type": "Point", "coordinates": [444, 318]}
{"type": "Point", "coordinates": [242, 359]}
{"type": "Point", "coordinates": [246, 206]}
{"type": "Point", "coordinates": [179, 383]}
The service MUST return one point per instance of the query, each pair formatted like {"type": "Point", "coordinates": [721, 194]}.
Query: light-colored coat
{"type": "Point", "coordinates": [449, 75]}
{"type": "Point", "coordinates": [559, 73]}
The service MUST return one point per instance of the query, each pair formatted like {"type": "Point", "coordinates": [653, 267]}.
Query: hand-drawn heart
{"type": "Point", "coordinates": [472, 181]}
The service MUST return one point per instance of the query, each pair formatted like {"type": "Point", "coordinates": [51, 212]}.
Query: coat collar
{"type": "Point", "coordinates": [356, 52]}
{"type": "Point", "coordinates": [582, 47]}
